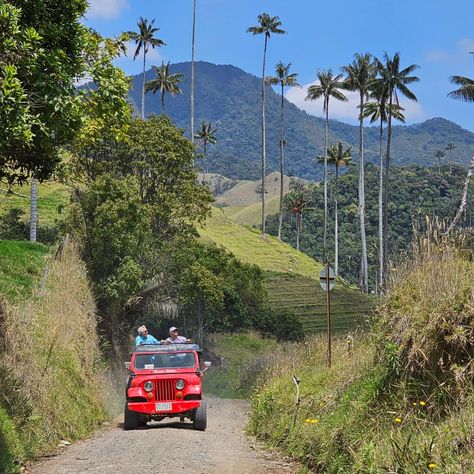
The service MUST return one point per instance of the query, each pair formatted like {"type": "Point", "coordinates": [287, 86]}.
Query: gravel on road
{"type": "Point", "coordinates": [170, 446]}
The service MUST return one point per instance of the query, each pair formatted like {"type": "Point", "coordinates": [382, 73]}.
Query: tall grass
{"type": "Point", "coordinates": [403, 401]}
{"type": "Point", "coordinates": [51, 385]}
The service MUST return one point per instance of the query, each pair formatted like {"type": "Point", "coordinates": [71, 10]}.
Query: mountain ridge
{"type": "Point", "coordinates": [230, 98]}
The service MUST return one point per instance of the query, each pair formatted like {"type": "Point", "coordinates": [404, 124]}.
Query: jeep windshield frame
{"type": "Point", "coordinates": [165, 360]}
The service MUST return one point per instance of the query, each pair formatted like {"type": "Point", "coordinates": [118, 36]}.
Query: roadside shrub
{"type": "Point", "coordinates": [284, 326]}
{"type": "Point", "coordinates": [426, 324]}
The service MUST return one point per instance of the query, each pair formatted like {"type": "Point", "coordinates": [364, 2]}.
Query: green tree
{"type": "Point", "coordinates": [144, 39]}
{"type": "Point", "coordinates": [392, 80]}
{"type": "Point", "coordinates": [143, 197]}
{"type": "Point", "coordinates": [267, 26]}
{"type": "Point", "coordinates": [465, 92]}
{"type": "Point", "coordinates": [40, 58]}
{"type": "Point", "coordinates": [105, 110]}
{"type": "Point", "coordinates": [284, 79]}
{"type": "Point", "coordinates": [328, 87]}
{"type": "Point", "coordinates": [360, 77]}
{"type": "Point", "coordinates": [164, 82]}
{"type": "Point", "coordinates": [377, 111]}
{"type": "Point", "coordinates": [206, 135]}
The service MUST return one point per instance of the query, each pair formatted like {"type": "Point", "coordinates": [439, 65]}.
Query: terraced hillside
{"type": "Point", "coordinates": [291, 276]}
{"type": "Point", "coordinates": [305, 297]}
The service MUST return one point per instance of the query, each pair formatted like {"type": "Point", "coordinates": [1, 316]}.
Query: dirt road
{"type": "Point", "coordinates": [171, 447]}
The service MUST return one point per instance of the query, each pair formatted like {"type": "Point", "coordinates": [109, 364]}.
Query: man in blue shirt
{"type": "Point", "coordinates": [144, 338]}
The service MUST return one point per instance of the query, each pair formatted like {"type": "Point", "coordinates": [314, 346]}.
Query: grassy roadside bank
{"type": "Point", "coordinates": [403, 402]}
{"type": "Point", "coordinates": [51, 380]}
{"type": "Point", "coordinates": [233, 357]}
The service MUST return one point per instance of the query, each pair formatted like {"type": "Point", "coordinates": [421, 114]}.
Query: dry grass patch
{"type": "Point", "coordinates": [51, 352]}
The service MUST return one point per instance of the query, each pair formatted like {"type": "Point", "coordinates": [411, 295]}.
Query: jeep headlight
{"type": "Point", "coordinates": [148, 386]}
{"type": "Point", "coordinates": [180, 384]}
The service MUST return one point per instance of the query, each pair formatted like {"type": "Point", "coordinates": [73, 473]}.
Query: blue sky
{"type": "Point", "coordinates": [435, 34]}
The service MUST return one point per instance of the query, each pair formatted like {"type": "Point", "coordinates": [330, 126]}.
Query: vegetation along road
{"type": "Point", "coordinates": [172, 446]}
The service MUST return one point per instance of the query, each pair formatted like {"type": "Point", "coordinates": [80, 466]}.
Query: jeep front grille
{"type": "Point", "coordinates": [164, 390]}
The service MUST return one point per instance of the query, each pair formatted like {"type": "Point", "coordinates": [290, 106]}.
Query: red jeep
{"type": "Point", "coordinates": [165, 382]}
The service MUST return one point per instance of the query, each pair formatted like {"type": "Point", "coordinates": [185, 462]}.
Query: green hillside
{"type": "Point", "coordinates": [21, 264]}
{"type": "Point", "coordinates": [52, 197]}
{"type": "Point", "coordinates": [291, 277]}
{"type": "Point", "coordinates": [252, 214]}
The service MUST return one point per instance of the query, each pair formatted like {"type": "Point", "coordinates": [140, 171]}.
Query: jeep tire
{"type": "Point", "coordinates": [131, 419]}
{"type": "Point", "coordinates": [200, 417]}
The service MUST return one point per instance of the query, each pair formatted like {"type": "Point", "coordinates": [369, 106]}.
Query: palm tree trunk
{"type": "Point", "coordinates": [163, 101]}
{"type": "Point", "coordinates": [192, 73]}
{"type": "Point", "coordinates": [386, 190]}
{"type": "Point", "coordinates": [325, 223]}
{"type": "Point", "coordinates": [204, 164]}
{"type": "Point", "coordinates": [462, 206]}
{"type": "Point", "coordinates": [297, 232]}
{"type": "Point", "coordinates": [143, 83]}
{"type": "Point", "coordinates": [282, 158]}
{"type": "Point", "coordinates": [364, 273]}
{"type": "Point", "coordinates": [33, 210]}
{"type": "Point", "coordinates": [381, 249]}
{"type": "Point", "coordinates": [264, 151]}
{"type": "Point", "coordinates": [336, 226]}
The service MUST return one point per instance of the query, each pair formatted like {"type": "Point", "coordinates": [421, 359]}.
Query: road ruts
{"type": "Point", "coordinates": [170, 447]}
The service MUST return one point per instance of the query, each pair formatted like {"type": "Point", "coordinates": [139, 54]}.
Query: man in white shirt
{"type": "Point", "coordinates": [175, 338]}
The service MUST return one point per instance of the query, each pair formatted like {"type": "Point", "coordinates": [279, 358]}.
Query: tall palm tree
{"type": "Point", "coordinates": [284, 79]}
{"type": "Point", "coordinates": [393, 80]}
{"type": "Point", "coordinates": [465, 91]}
{"type": "Point", "coordinates": [144, 39]}
{"type": "Point", "coordinates": [192, 71]}
{"type": "Point", "coordinates": [164, 82]}
{"type": "Point", "coordinates": [360, 77]}
{"type": "Point", "coordinates": [267, 26]}
{"type": "Point", "coordinates": [296, 201]}
{"type": "Point", "coordinates": [378, 111]}
{"type": "Point", "coordinates": [450, 147]}
{"type": "Point", "coordinates": [206, 135]}
{"type": "Point", "coordinates": [339, 157]}
{"type": "Point", "coordinates": [328, 87]}
{"type": "Point", "coordinates": [439, 154]}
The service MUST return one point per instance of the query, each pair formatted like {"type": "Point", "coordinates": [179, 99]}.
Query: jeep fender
{"type": "Point", "coordinates": [136, 392]}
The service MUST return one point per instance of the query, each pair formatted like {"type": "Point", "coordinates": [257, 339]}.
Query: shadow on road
{"type": "Point", "coordinates": [153, 425]}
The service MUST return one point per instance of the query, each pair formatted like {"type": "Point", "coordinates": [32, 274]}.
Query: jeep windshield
{"type": "Point", "coordinates": [180, 360]}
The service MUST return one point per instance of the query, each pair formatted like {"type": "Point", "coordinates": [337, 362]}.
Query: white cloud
{"type": "Point", "coordinates": [345, 111]}
{"type": "Point", "coordinates": [436, 55]}
{"type": "Point", "coordinates": [106, 9]}
{"type": "Point", "coordinates": [466, 45]}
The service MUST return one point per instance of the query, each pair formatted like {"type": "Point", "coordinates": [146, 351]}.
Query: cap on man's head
{"type": "Point", "coordinates": [172, 328]}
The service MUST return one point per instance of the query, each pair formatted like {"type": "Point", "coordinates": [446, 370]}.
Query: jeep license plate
{"type": "Point", "coordinates": [163, 406]}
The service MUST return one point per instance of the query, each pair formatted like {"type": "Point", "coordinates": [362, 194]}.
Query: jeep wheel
{"type": "Point", "coordinates": [130, 419]}
{"type": "Point", "coordinates": [200, 417]}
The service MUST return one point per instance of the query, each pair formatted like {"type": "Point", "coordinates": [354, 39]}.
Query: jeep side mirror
{"type": "Point", "coordinates": [207, 364]}
{"type": "Point", "coordinates": [127, 365]}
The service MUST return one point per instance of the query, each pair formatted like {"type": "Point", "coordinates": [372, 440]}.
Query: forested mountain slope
{"type": "Point", "coordinates": [230, 98]}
